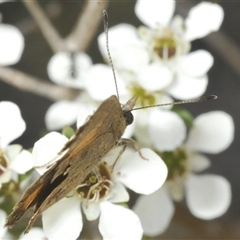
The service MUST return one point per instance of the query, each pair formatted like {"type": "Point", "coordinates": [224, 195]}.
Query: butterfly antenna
{"type": "Point", "coordinates": [197, 100]}
{"type": "Point", "coordinates": [105, 23]}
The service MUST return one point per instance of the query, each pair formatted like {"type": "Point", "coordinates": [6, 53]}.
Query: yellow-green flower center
{"type": "Point", "coordinates": [144, 97]}
{"type": "Point", "coordinates": [165, 47]}
{"type": "Point", "coordinates": [176, 162]}
{"type": "Point", "coordinates": [96, 185]}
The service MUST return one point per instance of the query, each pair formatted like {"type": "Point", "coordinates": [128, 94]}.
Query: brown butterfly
{"type": "Point", "coordinates": [91, 142]}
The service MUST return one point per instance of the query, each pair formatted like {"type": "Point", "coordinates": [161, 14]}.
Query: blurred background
{"type": "Point", "coordinates": [224, 81]}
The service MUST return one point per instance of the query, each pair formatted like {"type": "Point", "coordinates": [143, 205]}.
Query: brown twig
{"type": "Point", "coordinates": [26, 82]}
{"type": "Point", "coordinates": [86, 25]}
{"type": "Point", "coordinates": [27, 25]}
{"type": "Point", "coordinates": [50, 33]}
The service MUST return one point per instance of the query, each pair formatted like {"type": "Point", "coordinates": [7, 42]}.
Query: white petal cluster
{"type": "Point", "coordinates": [158, 55]}
{"type": "Point", "coordinates": [13, 159]}
{"type": "Point", "coordinates": [208, 196]}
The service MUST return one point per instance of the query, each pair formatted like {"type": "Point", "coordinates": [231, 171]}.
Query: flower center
{"type": "Point", "coordinates": [146, 98]}
{"type": "Point", "coordinates": [96, 185]}
{"type": "Point", "coordinates": [3, 163]}
{"type": "Point", "coordinates": [165, 47]}
{"type": "Point", "coordinates": [176, 162]}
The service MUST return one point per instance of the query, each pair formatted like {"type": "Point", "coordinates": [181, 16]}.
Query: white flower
{"type": "Point", "coordinates": [99, 192]}
{"type": "Point", "coordinates": [61, 113]}
{"type": "Point", "coordinates": [100, 83]}
{"type": "Point", "coordinates": [12, 158]}
{"type": "Point", "coordinates": [160, 129]}
{"type": "Point", "coordinates": [66, 112]}
{"type": "Point", "coordinates": [208, 196]}
{"type": "Point", "coordinates": [68, 69]}
{"type": "Point", "coordinates": [160, 58]}
{"type": "Point", "coordinates": [11, 44]}
{"type": "Point", "coordinates": [152, 122]}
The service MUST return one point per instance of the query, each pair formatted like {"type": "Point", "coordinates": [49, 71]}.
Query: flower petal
{"type": "Point", "coordinates": [117, 222]}
{"type": "Point", "coordinates": [23, 162]}
{"type": "Point", "coordinates": [141, 130]}
{"type": "Point", "coordinates": [91, 210]}
{"type": "Point", "coordinates": [119, 35]}
{"type": "Point", "coordinates": [118, 193]}
{"type": "Point", "coordinates": [46, 150]}
{"type": "Point", "coordinates": [142, 120]}
{"type": "Point", "coordinates": [130, 58]}
{"type": "Point", "coordinates": [196, 63]}
{"type": "Point", "coordinates": [155, 212]}
{"type": "Point", "coordinates": [63, 220]}
{"type": "Point", "coordinates": [12, 151]}
{"type": "Point", "coordinates": [112, 155]}
{"type": "Point", "coordinates": [100, 82]}
{"type": "Point", "coordinates": [68, 69]}
{"type": "Point", "coordinates": [166, 130]}
{"type": "Point", "coordinates": [134, 167]}
{"type": "Point", "coordinates": [198, 162]}
{"type": "Point", "coordinates": [11, 44]}
{"type": "Point", "coordinates": [209, 135]}
{"type": "Point", "coordinates": [11, 122]}
{"type": "Point", "coordinates": [185, 87]}
{"type": "Point", "coordinates": [60, 114]}
{"type": "Point", "coordinates": [6, 176]}
{"type": "Point", "coordinates": [203, 19]}
{"type": "Point", "coordinates": [155, 13]}
{"type": "Point", "coordinates": [208, 196]}
{"type": "Point", "coordinates": [154, 77]}
{"type": "Point", "coordinates": [3, 216]}
{"type": "Point", "coordinates": [35, 233]}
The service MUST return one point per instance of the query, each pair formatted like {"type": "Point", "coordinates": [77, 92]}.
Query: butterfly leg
{"type": "Point", "coordinates": [130, 142]}
{"type": "Point", "coordinates": [124, 143]}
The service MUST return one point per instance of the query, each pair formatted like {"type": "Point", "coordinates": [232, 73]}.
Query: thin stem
{"type": "Point", "coordinates": [86, 25]}
{"type": "Point", "coordinates": [26, 82]}
{"type": "Point", "coordinates": [27, 25]}
{"type": "Point", "coordinates": [48, 30]}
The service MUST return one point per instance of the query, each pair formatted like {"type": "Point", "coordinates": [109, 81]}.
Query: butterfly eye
{"type": "Point", "coordinates": [128, 117]}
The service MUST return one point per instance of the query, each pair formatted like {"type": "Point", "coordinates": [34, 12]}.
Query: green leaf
{"type": "Point", "coordinates": [185, 115]}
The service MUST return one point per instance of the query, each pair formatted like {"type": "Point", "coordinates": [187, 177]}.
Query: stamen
{"type": "Point", "coordinates": [93, 198]}
{"type": "Point", "coordinates": [106, 187]}
{"type": "Point", "coordinates": [97, 184]}
{"type": "Point", "coordinates": [97, 197]}
{"type": "Point", "coordinates": [109, 181]}
{"type": "Point", "coordinates": [82, 185]}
